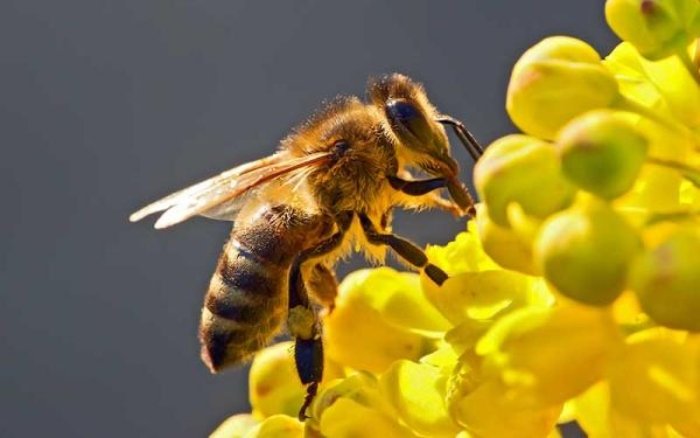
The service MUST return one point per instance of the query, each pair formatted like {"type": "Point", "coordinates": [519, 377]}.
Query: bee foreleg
{"type": "Point", "coordinates": [427, 189]}
{"type": "Point", "coordinates": [407, 250]}
{"type": "Point", "coordinates": [417, 188]}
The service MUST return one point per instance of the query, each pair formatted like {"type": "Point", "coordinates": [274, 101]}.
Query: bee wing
{"type": "Point", "coordinates": [221, 196]}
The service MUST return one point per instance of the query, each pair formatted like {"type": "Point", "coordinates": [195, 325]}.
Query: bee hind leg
{"type": "Point", "coordinates": [407, 250]}
{"type": "Point", "coordinates": [303, 322]}
{"type": "Point", "coordinates": [308, 356]}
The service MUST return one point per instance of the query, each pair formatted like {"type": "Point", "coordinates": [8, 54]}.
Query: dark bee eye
{"type": "Point", "coordinates": [405, 116]}
{"type": "Point", "coordinates": [402, 111]}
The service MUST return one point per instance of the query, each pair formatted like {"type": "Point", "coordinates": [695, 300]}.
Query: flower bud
{"type": "Point", "coordinates": [274, 386]}
{"type": "Point", "coordinates": [585, 252]}
{"type": "Point", "coordinates": [601, 153]}
{"type": "Point", "coordinates": [666, 280]}
{"type": "Point", "coordinates": [657, 28]}
{"type": "Point", "coordinates": [524, 170]}
{"type": "Point", "coordinates": [504, 245]}
{"type": "Point", "coordinates": [554, 81]}
{"type": "Point", "coordinates": [236, 426]}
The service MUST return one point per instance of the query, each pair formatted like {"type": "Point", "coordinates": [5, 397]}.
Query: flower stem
{"type": "Point", "coordinates": [670, 123]}
{"type": "Point", "coordinates": [689, 64]}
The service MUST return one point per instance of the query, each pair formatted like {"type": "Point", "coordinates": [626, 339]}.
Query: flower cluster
{"type": "Point", "coordinates": [573, 296]}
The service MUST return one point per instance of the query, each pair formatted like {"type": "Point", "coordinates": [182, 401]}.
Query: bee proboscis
{"type": "Point", "coordinates": [330, 188]}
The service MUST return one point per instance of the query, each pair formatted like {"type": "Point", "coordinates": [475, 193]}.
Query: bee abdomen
{"type": "Point", "coordinates": [244, 306]}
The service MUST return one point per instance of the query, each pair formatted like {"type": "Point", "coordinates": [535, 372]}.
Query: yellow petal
{"type": "Point", "coordinates": [361, 387]}
{"type": "Point", "coordinates": [546, 356]}
{"type": "Point", "coordinates": [484, 295]}
{"type": "Point", "coordinates": [356, 333]}
{"type": "Point", "coordinates": [277, 426]}
{"type": "Point", "coordinates": [487, 412]}
{"type": "Point", "coordinates": [417, 391]}
{"type": "Point", "coordinates": [235, 426]}
{"type": "Point", "coordinates": [654, 379]}
{"type": "Point", "coordinates": [349, 419]}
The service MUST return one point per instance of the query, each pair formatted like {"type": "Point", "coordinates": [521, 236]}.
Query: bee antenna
{"type": "Point", "coordinates": [466, 137]}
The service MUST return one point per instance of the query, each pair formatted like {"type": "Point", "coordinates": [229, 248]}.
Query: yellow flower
{"type": "Point", "coordinates": [484, 410]}
{"type": "Point", "coordinates": [656, 27]}
{"type": "Point", "coordinates": [417, 392]}
{"type": "Point", "coordinates": [380, 316]}
{"type": "Point", "coordinates": [354, 406]}
{"type": "Point", "coordinates": [545, 356]}
{"type": "Point", "coordinates": [654, 379]}
{"type": "Point", "coordinates": [493, 352]}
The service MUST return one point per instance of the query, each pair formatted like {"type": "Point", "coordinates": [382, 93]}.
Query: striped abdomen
{"type": "Point", "coordinates": [246, 303]}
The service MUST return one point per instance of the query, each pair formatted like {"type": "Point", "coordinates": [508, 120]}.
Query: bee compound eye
{"type": "Point", "coordinates": [402, 111]}
{"type": "Point", "coordinates": [409, 123]}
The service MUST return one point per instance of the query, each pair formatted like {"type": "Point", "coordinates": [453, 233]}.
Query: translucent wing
{"type": "Point", "coordinates": [220, 197]}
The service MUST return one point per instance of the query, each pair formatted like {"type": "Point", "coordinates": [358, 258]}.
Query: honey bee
{"type": "Point", "coordinates": [328, 190]}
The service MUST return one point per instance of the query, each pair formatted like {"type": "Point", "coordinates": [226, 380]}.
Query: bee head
{"type": "Point", "coordinates": [412, 122]}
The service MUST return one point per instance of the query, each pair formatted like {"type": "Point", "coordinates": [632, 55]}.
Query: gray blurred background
{"type": "Point", "coordinates": [106, 105]}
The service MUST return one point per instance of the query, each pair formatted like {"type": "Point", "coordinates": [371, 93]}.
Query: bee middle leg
{"type": "Point", "coordinates": [323, 285]}
{"type": "Point", "coordinates": [303, 321]}
{"type": "Point", "coordinates": [407, 250]}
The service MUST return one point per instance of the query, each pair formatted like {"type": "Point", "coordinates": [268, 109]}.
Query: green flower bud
{"type": "Point", "coordinates": [585, 252]}
{"type": "Point", "coordinates": [524, 170]}
{"type": "Point", "coordinates": [553, 82]}
{"type": "Point", "coordinates": [602, 153]}
{"type": "Point", "coordinates": [667, 281]}
{"type": "Point", "coordinates": [658, 28]}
